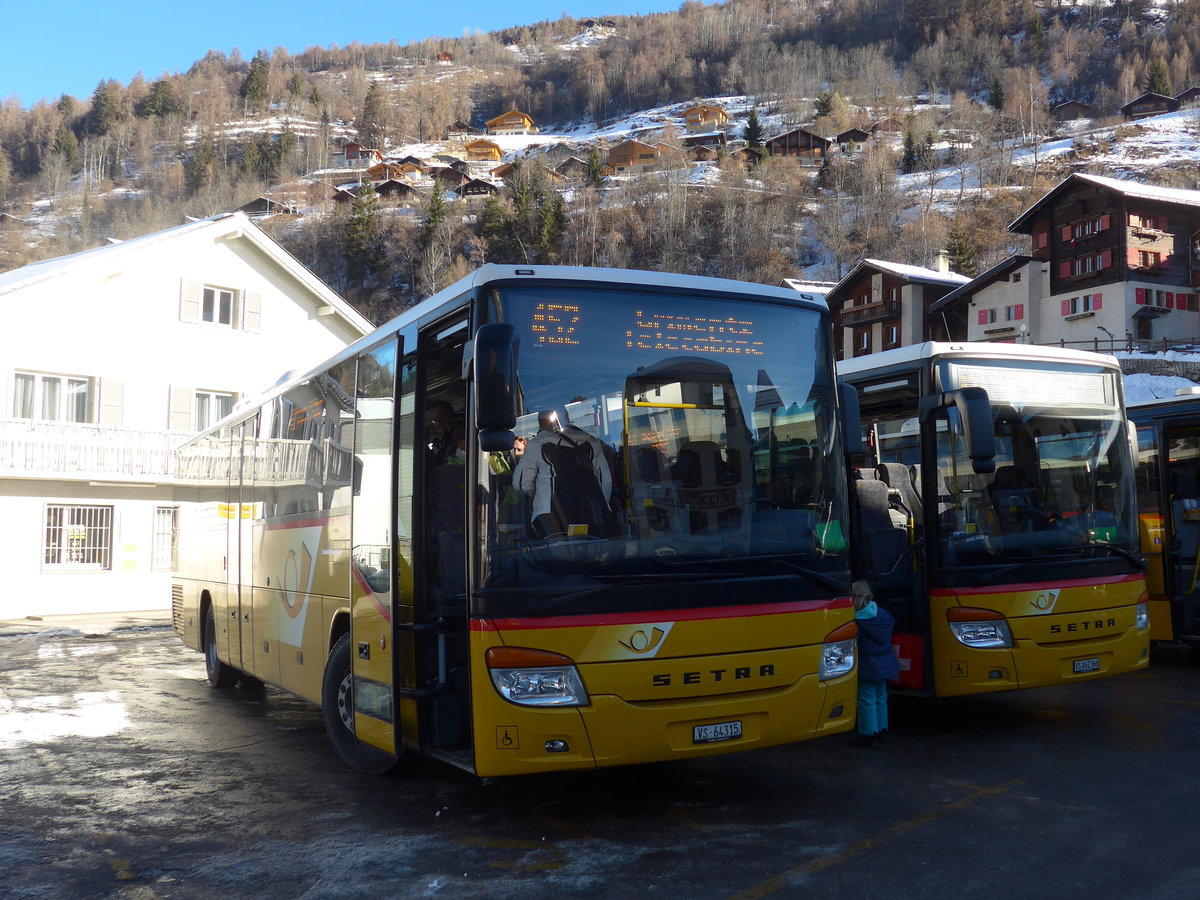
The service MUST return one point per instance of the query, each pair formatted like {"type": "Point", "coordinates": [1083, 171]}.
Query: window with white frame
{"type": "Point", "coordinates": [166, 523]}
{"type": "Point", "coordinates": [219, 306]}
{"type": "Point", "coordinates": [53, 398]}
{"type": "Point", "coordinates": [211, 406]}
{"type": "Point", "coordinates": [77, 538]}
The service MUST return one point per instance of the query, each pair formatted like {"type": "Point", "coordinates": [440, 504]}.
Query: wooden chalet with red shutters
{"type": "Point", "coordinates": [1118, 256]}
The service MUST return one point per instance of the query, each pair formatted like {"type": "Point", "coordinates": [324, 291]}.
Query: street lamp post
{"type": "Point", "coordinates": [1111, 337]}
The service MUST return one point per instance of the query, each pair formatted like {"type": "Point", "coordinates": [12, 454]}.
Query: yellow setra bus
{"type": "Point", "coordinates": [997, 515]}
{"type": "Point", "coordinates": [551, 518]}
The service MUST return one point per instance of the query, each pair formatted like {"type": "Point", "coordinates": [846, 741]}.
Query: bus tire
{"type": "Point", "coordinates": [219, 674]}
{"type": "Point", "coordinates": [337, 706]}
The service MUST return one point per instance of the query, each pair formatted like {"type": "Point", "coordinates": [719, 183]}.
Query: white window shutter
{"type": "Point", "coordinates": [180, 416]}
{"type": "Point", "coordinates": [189, 301]}
{"type": "Point", "coordinates": [252, 311]}
{"type": "Point", "coordinates": [112, 402]}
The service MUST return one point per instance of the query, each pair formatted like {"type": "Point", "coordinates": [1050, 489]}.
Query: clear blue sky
{"type": "Point", "coordinates": [67, 47]}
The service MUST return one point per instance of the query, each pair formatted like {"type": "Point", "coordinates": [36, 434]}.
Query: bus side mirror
{"type": "Point", "coordinates": [975, 410]}
{"type": "Point", "coordinates": [851, 417]}
{"type": "Point", "coordinates": [495, 365]}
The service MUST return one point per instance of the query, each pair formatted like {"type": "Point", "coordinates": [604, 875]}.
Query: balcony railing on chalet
{"type": "Point", "coordinates": [872, 312]}
{"type": "Point", "coordinates": [72, 451]}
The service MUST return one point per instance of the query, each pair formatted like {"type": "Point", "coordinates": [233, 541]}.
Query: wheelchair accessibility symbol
{"type": "Point", "coordinates": [507, 737]}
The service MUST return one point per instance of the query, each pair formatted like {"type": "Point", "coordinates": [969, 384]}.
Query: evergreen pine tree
{"type": "Point", "coordinates": [106, 109]}
{"type": "Point", "coordinates": [67, 144]}
{"type": "Point", "coordinates": [372, 123]}
{"type": "Point", "coordinates": [996, 95]}
{"type": "Point", "coordinates": [552, 221]}
{"type": "Point", "coordinates": [1037, 36]}
{"type": "Point", "coordinates": [253, 164]}
{"type": "Point", "coordinates": [256, 85]}
{"type": "Point", "coordinates": [364, 250]}
{"type": "Point", "coordinates": [159, 102]}
{"type": "Point", "coordinates": [752, 133]}
{"type": "Point", "coordinates": [964, 255]}
{"type": "Point", "coordinates": [1158, 78]}
{"type": "Point", "coordinates": [908, 158]}
{"type": "Point", "coordinates": [595, 166]}
{"type": "Point", "coordinates": [824, 103]}
{"type": "Point", "coordinates": [493, 227]}
{"type": "Point", "coordinates": [200, 169]}
{"type": "Point", "coordinates": [435, 214]}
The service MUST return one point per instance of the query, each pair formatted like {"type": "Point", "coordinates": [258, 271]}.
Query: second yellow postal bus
{"type": "Point", "coordinates": [1168, 487]}
{"type": "Point", "coordinates": [548, 519]}
{"type": "Point", "coordinates": [997, 515]}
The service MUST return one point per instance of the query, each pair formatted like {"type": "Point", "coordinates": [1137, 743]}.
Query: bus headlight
{"type": "Point", "coordinates": [535, 677]}
{"type": "Point", "coordinates": [1141, 616]}
{"type": "Point", "coordinates": [980, 628]}
{"type": "Point", "coordinates": [838, 652]}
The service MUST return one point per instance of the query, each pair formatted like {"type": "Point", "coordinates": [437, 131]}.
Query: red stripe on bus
{"type": "Point", "coordinates": [1036, 586]}
{"type": "Point", "coordinates": [675, 615]}
{"type": "Point", "coordinates": [362, 583]}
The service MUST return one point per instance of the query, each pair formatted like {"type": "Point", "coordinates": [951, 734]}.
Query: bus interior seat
{"type": "Point", "coordinates": [896, 477]}
{"type": "Point", "coordinates": [885, 546]}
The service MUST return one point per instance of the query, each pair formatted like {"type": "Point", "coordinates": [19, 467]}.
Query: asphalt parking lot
{"type": "Point", "coordinates": [125, 776]}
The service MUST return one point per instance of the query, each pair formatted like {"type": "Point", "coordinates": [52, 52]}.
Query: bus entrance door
{"type": "Point", "coordinates": [1183, 542]}
{"type": "Point", "coordinates": [380, 573]}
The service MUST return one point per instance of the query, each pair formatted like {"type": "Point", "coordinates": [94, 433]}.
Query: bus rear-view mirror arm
{"type": "Point", "coordinates": [976, 412]}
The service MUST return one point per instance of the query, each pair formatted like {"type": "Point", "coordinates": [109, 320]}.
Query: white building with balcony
{"type": "Point", "coordinates": [108, 359]}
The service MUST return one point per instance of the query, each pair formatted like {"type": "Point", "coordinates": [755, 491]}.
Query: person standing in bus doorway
{"type": "Point", "coordinates": [877, 664]}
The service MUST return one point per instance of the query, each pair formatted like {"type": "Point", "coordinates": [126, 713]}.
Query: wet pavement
{"type": "Point", "coordinates": [123, 775]}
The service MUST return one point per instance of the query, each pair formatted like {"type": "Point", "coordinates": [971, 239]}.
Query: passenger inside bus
{"type": "Point", "coordinates": [566, 473]}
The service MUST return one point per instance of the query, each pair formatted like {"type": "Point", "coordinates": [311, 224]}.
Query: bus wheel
{"type": "Point", "coordinates": [337, 704]}
{"type": "Point", "coordinates": [219, 674]}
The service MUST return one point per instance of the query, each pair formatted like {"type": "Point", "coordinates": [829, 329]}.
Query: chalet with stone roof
{"type": "Point", "coordinates": [880, 305]}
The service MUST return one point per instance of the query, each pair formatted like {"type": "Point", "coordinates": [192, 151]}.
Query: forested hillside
{"type": "Point", "coordinates": [972, 85]}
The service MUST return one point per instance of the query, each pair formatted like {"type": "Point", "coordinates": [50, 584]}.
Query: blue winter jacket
{"type": "Point", "coordinates": [876, 660]}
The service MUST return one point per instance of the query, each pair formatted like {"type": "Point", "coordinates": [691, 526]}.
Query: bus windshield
{"type": "Point", "coordinates": [1062, 483]}
{"type": "Point", "coordinates": [674, 450]}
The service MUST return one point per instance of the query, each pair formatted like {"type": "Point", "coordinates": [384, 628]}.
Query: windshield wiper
{"type": "Point", "coordinates": [989, 575]}
{"type": "Point", "coordinates": [1137, 559]}
{"type": "Point", "coordinates": [785, 558]}
{"type": "Point", "coordinates": [616, 581]}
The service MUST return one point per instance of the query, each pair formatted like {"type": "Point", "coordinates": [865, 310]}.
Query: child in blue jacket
{"type": "Point", "coordinates": [877, 664]}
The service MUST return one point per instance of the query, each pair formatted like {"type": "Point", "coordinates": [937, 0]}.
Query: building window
{"type": "Point", "coordinates": [1016, 277]}
{"type": "Point", "coordinates": [1014, 313]}
{"type": "Point", "coordinates": [211, 407]}
{"type": "Point", "coordinates": [53, 398]}
{"type": "Point", "coordinates": [166, 524]}
{"type": "Point", "coordinates": [219, 306]}
{"type": "Point", "coordinates": [78, 537]}
{"type": "Point", "coordinates": [1148, 259]}
{"type": "Point", "coordinates": [891, 336]}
